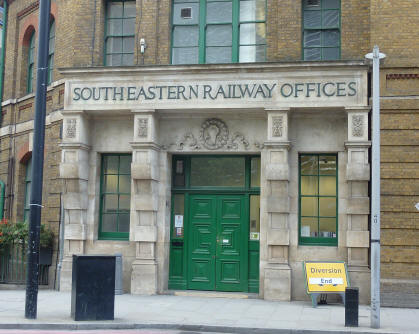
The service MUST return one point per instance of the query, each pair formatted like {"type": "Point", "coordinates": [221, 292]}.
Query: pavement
{"type": "Point", "coordinates": [205, 312]}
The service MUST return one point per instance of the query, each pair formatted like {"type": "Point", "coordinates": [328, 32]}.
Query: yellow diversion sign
{"type": "Point", "coordinates": [324, 277]}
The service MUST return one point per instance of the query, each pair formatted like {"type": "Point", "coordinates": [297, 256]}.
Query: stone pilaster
{"type": "Point", "coordinates": [145, 175]}
{"type": "Point", "coordinates": [358, 176]}
{"type": "Point", "coordinates": [275, 195]}
{"type": "Point", "coordinates": [74, 171]}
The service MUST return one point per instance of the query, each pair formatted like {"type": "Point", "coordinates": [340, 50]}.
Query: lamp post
{"type": "Point", "coordinates": [375, 188]}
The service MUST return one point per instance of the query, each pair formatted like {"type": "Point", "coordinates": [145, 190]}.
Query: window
{"type": "Point", "coordinates": [51, 50]}
{"type": "Point", "coordinates": [120, 33]}
{"type": "Point", "coordinates": [115, 196]}
{"type": "Point", "coordinates": [318, 199]}
{"type": "Point", "coordinates": [28, 183]}
{"type": "Point", "coordinates": [31, 63]}
{"type": "Point", "coordinates": [218, 31]}
{"type": "Point", "coordinates": [321, 33]}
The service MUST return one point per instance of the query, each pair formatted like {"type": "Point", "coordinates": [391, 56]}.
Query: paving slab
{"type": "Point", "coordinates": [224, 313]}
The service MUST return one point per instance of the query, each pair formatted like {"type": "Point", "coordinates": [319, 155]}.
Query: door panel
{"type": "Point", "coordinates": [230, 263]}
{"type": "Point", "coordinates": [217, 243]}
{"type": "Point", "coordinates": [201, 243]}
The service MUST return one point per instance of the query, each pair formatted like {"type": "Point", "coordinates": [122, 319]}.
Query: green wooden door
{"type": "Point", "coordinates": [217, 243]}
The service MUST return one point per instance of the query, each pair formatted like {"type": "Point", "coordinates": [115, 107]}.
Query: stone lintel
{"type": "Point", "coordinates": [366, 109]}
{"type": "Point", "coordinates": [360, 144]}
{"type": "Point", "coordinates": [277, 144]}
{"type": "Point", "coordinates": [145, 146]}
{"type": "Point", "coordinates": [75, 145]}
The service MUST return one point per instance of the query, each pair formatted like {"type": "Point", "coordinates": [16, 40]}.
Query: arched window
{"type": "Point", "coordinates": [51, 51]}
{"type": "Point", "coordinates": [31, 62]}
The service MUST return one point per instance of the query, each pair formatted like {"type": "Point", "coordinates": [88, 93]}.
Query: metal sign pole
{"type": "Point", "coordinates": [375, 188]}
{"type": "Point", "coordinates": [37, 163]}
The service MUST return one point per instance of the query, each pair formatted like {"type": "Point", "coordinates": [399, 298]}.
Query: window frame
{"type": "Point", "coordinates": [106, 36]}
{"type": "Point", "coordinates": [51, 52]}
{"type": "Point", "coordinates": [28, 183]}
{"type": "Point", "coordinates": [203, 25]}
{"type": "Point", "coordinates": [318, 241]}
{"type": "Point", "coordinates": [31, 63]}
{"type": "Point", "coordinates": [321, 29]}
{"type": "Point", "coordinates": [122, 236]}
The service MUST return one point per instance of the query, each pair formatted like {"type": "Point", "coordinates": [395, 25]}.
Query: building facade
{"type": "Point", "coordinates": [217, 145]}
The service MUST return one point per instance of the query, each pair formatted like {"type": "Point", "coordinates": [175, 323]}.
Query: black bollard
{"type": "Point", "coordinates": [351, 307]}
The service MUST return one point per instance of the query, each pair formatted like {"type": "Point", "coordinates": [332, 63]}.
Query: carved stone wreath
{"type": "Point", "coordinates": [214, 134]}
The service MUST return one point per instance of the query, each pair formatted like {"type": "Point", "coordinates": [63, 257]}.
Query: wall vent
{"type": "Point", "coordinates": [313, 3]}
{"type": "Point", "coordinates": [186, 13]}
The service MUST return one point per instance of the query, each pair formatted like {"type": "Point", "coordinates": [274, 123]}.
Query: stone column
{"type": "Point", "coordinates": [358, 176]}
{"type": "Point", "coordinates": [144, 202]}
{"type": "Point", "coordinates": [74, 171]}
{"type": "Point", "coordinates": [275, 196]}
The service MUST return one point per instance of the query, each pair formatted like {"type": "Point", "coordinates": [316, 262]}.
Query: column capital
{"type": "Point", "coordinates": [143, 111]}
{"type": "Point", "coordinates": [366, 109]}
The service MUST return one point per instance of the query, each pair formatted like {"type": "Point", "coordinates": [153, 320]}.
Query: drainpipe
{"type": "Point", "coordinates": [2, 187]}
{"type": "Point", "coordinates": [3, 52]}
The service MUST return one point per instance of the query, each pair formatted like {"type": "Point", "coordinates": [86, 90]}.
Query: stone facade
{"type": "Point", "coordinates": [153, 133]}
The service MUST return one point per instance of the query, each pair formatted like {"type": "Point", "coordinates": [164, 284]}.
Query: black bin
{"type": "Point", "coordinates": [351, 307]}
{"type": "Point", "coordinates": [93, 287]}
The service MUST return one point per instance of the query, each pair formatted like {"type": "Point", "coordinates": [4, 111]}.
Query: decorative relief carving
{"type": "Point", "coordinates": [357, 126]}
{"type": "Point", "coordinates": [214, 135]}
{"type": "Point", "coordinates": [277, 124]}
{"type": "Point", "coordinates": [142, 127]}
{"type": "Point", "coordinates": [71, 128]}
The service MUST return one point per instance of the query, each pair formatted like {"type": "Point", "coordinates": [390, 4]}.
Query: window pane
{"type": "Point", "coordinates": [331, 37]}
{"type": "Point", "coordinates": [127, 59]}
{"type": "Point", "coordinates": [312, 38]}
{"type": "Point", "coordinates": [308, 165]}
{"type": "Point", "coordinates": [177, 19]}
{"type": "Point", "coordinates": [309, 206]}
{"type": "Point", "coordinates": [327, 165]}
{"type": "Point", "coordinates": [115, 9]}
{"type": "Point", "coordinates": [185, 56]}
{"type": "Point", "coordinates": [129, 9]}
{"type": "Point", "coordinates": [309, 227]}
{"type": "Point", "coordinates": [327, 207]}
{"type": "Point", "coordinates": [330, 53]}
{"type": "Point", "coordinates": [123, 222]}
{"type": "Point", "coordinates": [179, 204]}
{"type": "Point", "coordinates": [330, 19]}
{"type": "Point", "coordinates": [309, 185]}
{"type": "Point", "coordinates": [252, 53]}
{"type": "Point", "coordinates": [252, 10]}
{"type": "Point", "coordinates": [124, 184]}
{"type": "Point", "coordinates": [219, 12]}
{"type": "Point", "coordinates": [218, 55]}
{"type": "Point", "coordinates": [331, 4]}
{"type": "Point", "coordinates": [309, 4]}
{"type": "Point", "coordinates": [114, 27]}
{"type": "Point", "coordinates": [254, 213]}
{"type": "Point", "coordinates": [114, 45]}
{"type": "Point", "coordinates": [125, 164]}
{"type": "Point", "coordinates": [255, 172]}
{"type": "Point", "coordinates": [124, 201]}
{"type": "Point", "coordinates": [109, 222]}
{"type": "Point", "coordinates": [114, 60]}
{"type": "Point", "coordinates": [129, 26]}
{"type": "Point", "coordinates": [327, 227]}
{"type": "Point", "coordinates": [312, 19]}
{"type": "Point", "coordinates": [218, 172]}
{"type": "Point", "coordinates": [327, 186]}
{"type": "Point", "coordinates": [111, 184]}
{"type": "Point", "coordinates": [219, 35]}
{"type": "Point", "coordinates": [252, 33]}
{"type": "Point", "coordinates": [185, 36]}
{"type": "Point", "coordinates": [110, 203]}
{"type": "Point", "coordinates": [312, 54]}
